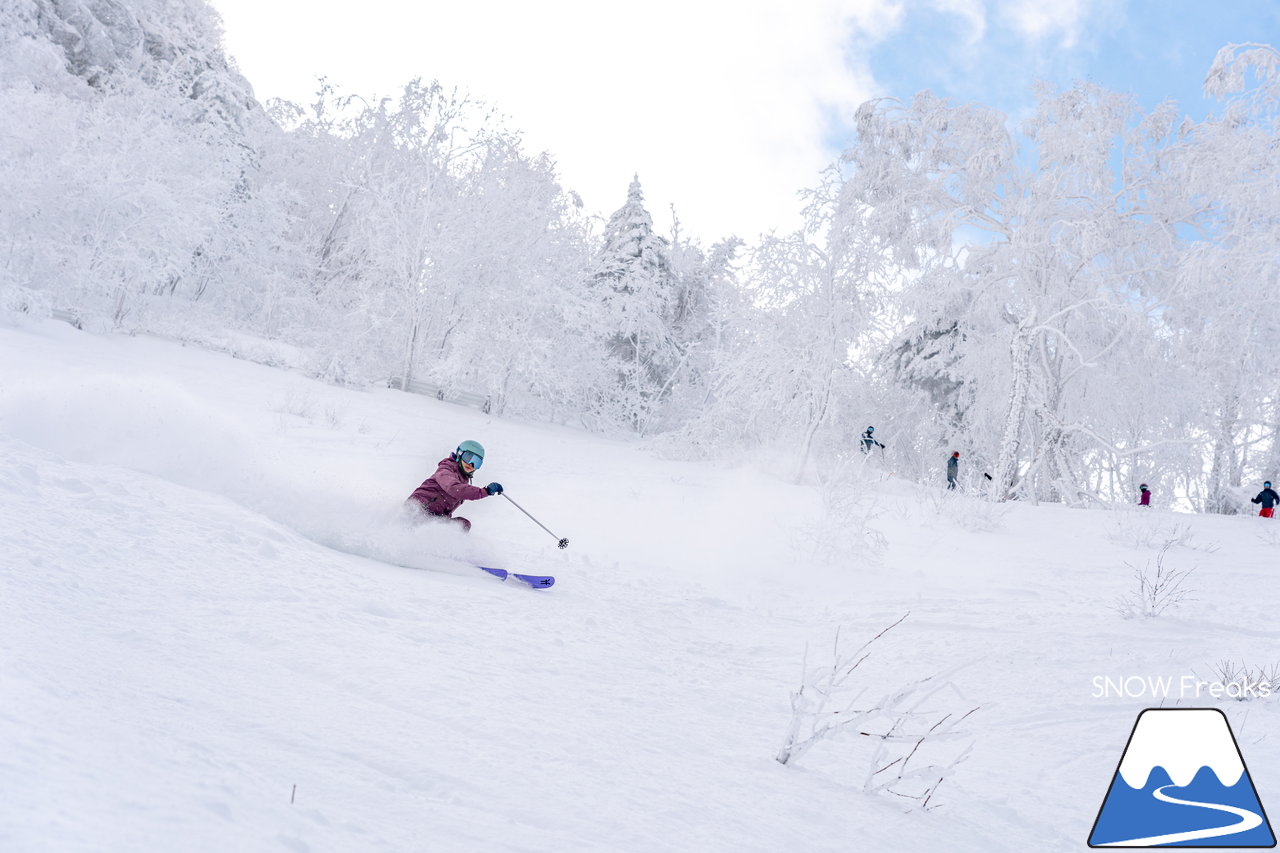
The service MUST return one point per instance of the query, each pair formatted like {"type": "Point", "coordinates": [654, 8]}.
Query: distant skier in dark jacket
{"type": "Point", "coordinates": [446, 489]}
{"type": "Point", "coordinates": [869, 441]}
{"type": "Point", "coordinates": [953, 470]}
{"type": "Point", "coordinates": [1145, 498]}
{"type": "Point", "coordinates": [1268, 498]}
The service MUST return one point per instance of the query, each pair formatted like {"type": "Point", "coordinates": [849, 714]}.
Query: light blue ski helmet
{"type": "Point", "coordinates": [473, 446]}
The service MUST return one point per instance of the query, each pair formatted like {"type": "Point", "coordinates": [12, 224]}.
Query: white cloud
{"type": "Point", "coordinates": [1038, 19]}
{"type": "Point", "coordinates": [973, 12]}
{"type": "Point", "coordinates": [720, 107]}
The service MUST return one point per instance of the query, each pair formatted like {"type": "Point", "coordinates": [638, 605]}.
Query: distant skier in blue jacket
{"type": "Point", "coordinates": [1268, 498]}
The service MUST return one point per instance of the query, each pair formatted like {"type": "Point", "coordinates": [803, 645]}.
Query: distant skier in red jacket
{"type": "Point", "coordinates": [1145, 499]}
{"type": "Point", "coordinates": [446, 489]}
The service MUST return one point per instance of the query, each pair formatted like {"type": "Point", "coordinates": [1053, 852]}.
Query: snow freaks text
{"type": "Point", "coordinates": [1180, 687]}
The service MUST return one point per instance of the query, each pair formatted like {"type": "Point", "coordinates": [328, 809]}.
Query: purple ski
{"type": "Point", "coordinates": [535, 581]}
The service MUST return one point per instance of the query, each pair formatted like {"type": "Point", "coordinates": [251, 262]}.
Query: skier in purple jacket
{"type": "Point", "coordinates": [446, 489]}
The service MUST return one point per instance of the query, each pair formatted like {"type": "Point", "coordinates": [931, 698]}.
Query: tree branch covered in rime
{"type": "Point", "coordinates": [917, 746]}
{"type": "Point", "coordinates": [811, 718]}
{"type": "Point", "coordinates": [1228, 79]}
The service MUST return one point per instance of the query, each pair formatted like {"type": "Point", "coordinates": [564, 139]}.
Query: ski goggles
{"type": "Point", "coordinates": [471, 458]}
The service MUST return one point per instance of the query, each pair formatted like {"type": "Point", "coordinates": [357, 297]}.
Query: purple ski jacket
{"type": "Point", "coordinates": [446, 489]}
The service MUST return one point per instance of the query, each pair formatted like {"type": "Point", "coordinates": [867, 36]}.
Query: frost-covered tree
{"type": "Point", "coordinates": [707, 291]}
{"type": "Point", "coordinates": [437, 248]}
{"type": "Point", "coordinates": [791, 374]}
{"type": "Point", "coordinates": [399, 236]}
{"type": "Point", "coordinates": [1048, 287]}
{"type": "Point", "coordinates": [377, 223]}
{"type": "Point", "coordinates": [127, 151]}
{"type": "Point", "coordinates": [1225, 312]}
{"type": "Point", "coordinates": [1078, 304]}
{"type": "Point", "coordinates": [925, 380]}
{"type": "Point", "coordinates": [519, 333]}
{"type": "Point", "coordinates": [638, 301]}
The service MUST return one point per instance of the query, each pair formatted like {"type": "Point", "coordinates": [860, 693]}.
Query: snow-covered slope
{"type": "Point", "coordinates": [210, 638]}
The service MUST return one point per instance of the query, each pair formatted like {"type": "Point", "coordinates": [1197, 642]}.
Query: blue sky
{"type": "Point", "coordinates": [991, 53]}
{"type": "Point", "coordinates": [727, 108]}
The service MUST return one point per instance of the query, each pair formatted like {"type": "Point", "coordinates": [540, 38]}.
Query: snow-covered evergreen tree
{"type": "Point", "coordinates": [639, 301]}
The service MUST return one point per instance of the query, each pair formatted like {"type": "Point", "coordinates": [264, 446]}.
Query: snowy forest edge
{"type": "Point", "coordinates": [1077, 305]}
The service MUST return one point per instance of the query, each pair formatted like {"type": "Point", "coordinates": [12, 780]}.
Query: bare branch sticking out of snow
{"type": "Point", "coordinates": [916, 746]}
{"type": "Point", "coordinates": [335, 414]}
{"type": "Point", "coordinates": [296, 402]}
{"type": "Point", "coordinates": [1243, 682]}
{"type": "Point", "coordinates": [967, 512]}
{"type": "Point", "coordinates": [1158, 589]}
{"type": "Point", "coordinates": [1269, 535]}
{"type": "Point", "coordinates": [1139, 529]}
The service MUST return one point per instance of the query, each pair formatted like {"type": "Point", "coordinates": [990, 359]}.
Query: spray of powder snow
{"type": "Point", "coordinates": [156, 427]}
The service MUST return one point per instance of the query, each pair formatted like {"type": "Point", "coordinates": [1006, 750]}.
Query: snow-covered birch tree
{"type": "Point", "coordinates": [1047, 284]}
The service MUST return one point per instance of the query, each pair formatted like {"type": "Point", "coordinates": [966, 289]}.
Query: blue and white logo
{"type": "Point", "coordinates": [1182, 783]}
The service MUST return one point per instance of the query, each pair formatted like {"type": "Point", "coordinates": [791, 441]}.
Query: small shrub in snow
{"type": "Point", "coordinates": [1140, 529]}
{"type": "Point", "coordinates": [335, 415]}
{"type": "Point", "coordinates": [914, 747]}
{"type": "Point", "coordinates": [17, 300]}
{"type": "Point", "coordinates": [1135, 528]}
{"type": "Point", "coordinates": [1269, 535]}
{"type": "Point", "coordinates": [844, 531]}
{"type": "Point", "coordinates": [299, 403]}
{"type": "Point", "coordinates": [966, 511]}
{"type": "Point", "coordinates": [1158, 589]}
{"type": "Point", "coordinates": [1243, 682]}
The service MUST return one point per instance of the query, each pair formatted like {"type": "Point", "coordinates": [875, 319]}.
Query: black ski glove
{"type": "Point", "coordinates": [494, 488]}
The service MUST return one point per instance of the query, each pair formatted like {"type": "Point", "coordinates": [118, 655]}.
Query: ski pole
{"type": "Point", "coordinates": [563, 543]}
